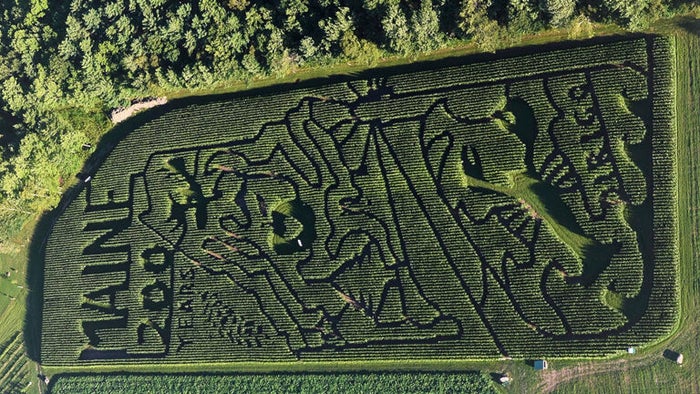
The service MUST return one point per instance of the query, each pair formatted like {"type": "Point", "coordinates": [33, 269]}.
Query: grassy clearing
{"type": "Point", "coordinates": [15, 368]}
{"type": "Point", "coordinates": [13, 290]}
{"type": "Point", "coordinates": [543, 201]}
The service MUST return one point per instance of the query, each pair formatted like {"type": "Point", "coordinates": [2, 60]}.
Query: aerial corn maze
{"type": "Point", "coordinates": [517, 207]}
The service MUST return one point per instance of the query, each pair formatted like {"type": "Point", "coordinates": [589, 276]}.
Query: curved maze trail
{"type": "Point", "coordinates": [521, 207]}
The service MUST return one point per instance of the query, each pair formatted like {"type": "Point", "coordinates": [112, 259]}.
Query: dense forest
{"type": "Point", "coordinates": [65, 64]}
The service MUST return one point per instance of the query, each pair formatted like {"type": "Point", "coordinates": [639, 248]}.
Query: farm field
{"type": "Point", "coordinates": [15, 369]}
{"type": "Point", "coordinates": [284, 383]}
{"type": "Point", "coordinates": [522, 207]}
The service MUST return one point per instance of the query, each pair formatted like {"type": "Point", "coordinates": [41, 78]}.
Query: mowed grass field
{"type": "Point", "coordinates": [645, 372]}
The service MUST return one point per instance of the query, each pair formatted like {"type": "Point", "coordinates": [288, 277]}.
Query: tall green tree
{"type": "Point", "coordinates": [425, 25]}
{"type": "Point", "coordinates": [396, 29]}
{"type": "Point", "coordinates": [476, 24]}
{"type": "Point", "coordinates": [632, 13]}
{"type": "Point", "coordinates": [558, 12]}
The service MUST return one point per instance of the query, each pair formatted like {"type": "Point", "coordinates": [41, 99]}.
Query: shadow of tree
{"type": "Point", "coordinates": [690, 25]}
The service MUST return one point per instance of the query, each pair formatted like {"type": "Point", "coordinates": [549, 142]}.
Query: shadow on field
{"type": "Point", "coordinates": [690, 25]}
{"type": "Point", "coordinates": [35, 264]}
{"type": "Point", "coordinates": [35, 284]}
{"type": "Point", "coordinates": [671, 355]}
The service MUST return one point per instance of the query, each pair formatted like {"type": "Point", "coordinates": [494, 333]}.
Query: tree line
{"type": "Point", "coordinates": [64, 64]}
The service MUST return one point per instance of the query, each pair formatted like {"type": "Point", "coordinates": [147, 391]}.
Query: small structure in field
{"type": "Point", "coordinates": [679, 359]}
{"type": "Point", "coordinates": [541, 365]}
{"type": "Point", "coordinates": [121, 114]}
{"type": "Point", "coordinates": [505, 380]}
{"type": "Point", "coordinates": [674, 356]}
{"type": "Point", "coordinates": [631, 350]}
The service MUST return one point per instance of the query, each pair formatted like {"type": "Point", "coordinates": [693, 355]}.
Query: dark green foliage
{"type": "Point", "coordinates": [396, 29]}
{"type": "Point", "coordinates": [426, 27]}
{"type": "Point", "coordinates": [558, 12]}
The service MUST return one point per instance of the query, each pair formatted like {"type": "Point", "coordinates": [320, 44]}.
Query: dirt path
{"type": "Point", "coordinates": [553, 378]}
{"type": "Point", "coordinates": [121, 114]}
{"type": "Point", "coordinates": [41, 385]}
